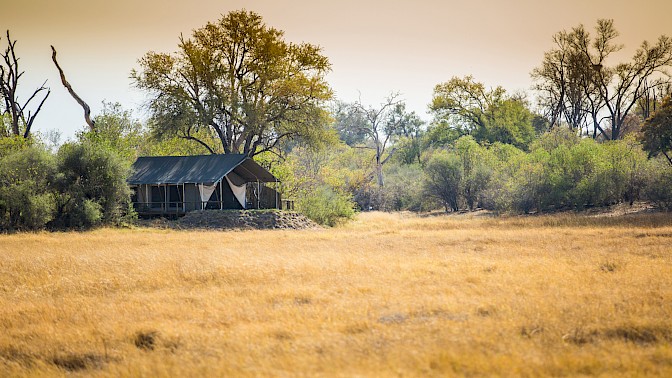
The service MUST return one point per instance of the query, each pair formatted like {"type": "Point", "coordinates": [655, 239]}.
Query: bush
{"type": "Point", "coordinates": [443, 179]}
{"type": "Point", "coordinates": [26, 199]}
{"type": "Point", "coordinates": [326, 206]}
{"type": "Point", "coordinates": [477, 170]}
{"type": "Point", "coordinates": [658, 187]}
{"type": "Point", "coordinates": [403, 188]}
{"type": "Point", "coordinates": [527, 189]}
{"type": "Point", "coordinates": [91, 186]}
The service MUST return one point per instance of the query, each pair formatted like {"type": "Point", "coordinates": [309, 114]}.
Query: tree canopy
{"type": "Point", "coordinates": [579, 88]}
{"type": "Point", "coordinates": [489, 115]}
{"type": "Point", "coordinates": [657, 131]}
{"type": "Point", "coordinates": [239, 82]}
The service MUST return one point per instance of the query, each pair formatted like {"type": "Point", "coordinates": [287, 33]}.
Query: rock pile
{"type": "Point", "coordinates": [242, 219]}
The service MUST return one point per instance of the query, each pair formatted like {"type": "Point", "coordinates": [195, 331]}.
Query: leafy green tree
{"type": "Point", "coordinates": [116, 129]}
{"type": "Point", "coordinates": [409, 133]}
{"type": "Point", "coordinates": [440, 134]}
{"type": "Point", "coordinates": [388, 131]}
{"type": "Point", "coordinates": [623, 170]}
{"type": "Point", "coordinates": [658, 188]}
{"type": "Point", "coordinates": [476, 170]}
{"type": "Point", "coordinates": [26, 197]}
{"type": "Point", "coordinates": [443, 179]}
{"type": "Point", "coordinates": [657, 131]}
{"type": "Point", "coordinates": [13, 143]}
{"type": "Point", "coordinates": [488, 115]}
{"type": "Point", "coordinates": [238, 82]}
{"type": "Point", "coordinates": [555, 138]}
{"type": "Point", "coordinates": [91, 186]}
{"type": "Point", "coordinates": [464, 103]}
{"type": "Point", "coordinates": [510, 122]}
{"type": "Point", "coordinates": [526, 186]}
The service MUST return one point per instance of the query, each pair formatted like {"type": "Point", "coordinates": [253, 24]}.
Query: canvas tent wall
{"type": "Point", "coordinates": [166, 184]}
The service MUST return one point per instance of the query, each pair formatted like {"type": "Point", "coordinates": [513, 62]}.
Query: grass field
{"type": "Point", "coordinates": [386, 295]}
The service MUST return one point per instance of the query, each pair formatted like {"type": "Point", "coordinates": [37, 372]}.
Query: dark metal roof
{"type": "Point", "coordinates": [196, 169]}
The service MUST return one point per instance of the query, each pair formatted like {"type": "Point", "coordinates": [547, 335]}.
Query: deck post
{"type": "Point", "coordinates": [200, 194]}
{"type": "Point", "coordinates": [147, 190]}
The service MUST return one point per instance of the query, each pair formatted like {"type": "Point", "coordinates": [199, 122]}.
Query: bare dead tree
{"type": "Point", "coordinates": [21, 122]}
{"type": "Point", "coordinates": [379, 127]}
{"type": "Point", "coordinates": [82, 103]}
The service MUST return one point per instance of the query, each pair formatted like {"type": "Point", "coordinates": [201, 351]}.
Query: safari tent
{"type": "Point", "coordinates": [174, 185]}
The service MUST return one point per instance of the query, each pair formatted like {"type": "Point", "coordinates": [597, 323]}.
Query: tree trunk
{"type": "Point", "coordinates": [379, 174]}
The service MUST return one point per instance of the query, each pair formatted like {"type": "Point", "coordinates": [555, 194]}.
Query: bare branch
{"type": "Point", "coordinates": [29, 124]}
{"type": "Point", "coordinates": [84, 105]}
{"type": "Point", "coordinates": [9, 82]}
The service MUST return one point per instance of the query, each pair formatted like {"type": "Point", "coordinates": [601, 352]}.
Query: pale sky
{"type": "Point", "coordinates": [375, 46]}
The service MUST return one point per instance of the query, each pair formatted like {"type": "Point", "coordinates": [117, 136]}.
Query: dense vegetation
{"type": "Point", "coordinates": [81, 186]}
{"type": "Point", "coordinates": [599, 135]}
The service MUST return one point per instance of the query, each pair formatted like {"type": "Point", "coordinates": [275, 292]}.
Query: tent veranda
{"type": "Point", "coordinates": [178, 184]}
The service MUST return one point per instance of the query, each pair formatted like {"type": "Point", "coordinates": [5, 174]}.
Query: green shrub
{"type": "Point", "coordinates": [26, 198]}
{"type": "Point", "coordinates": [91, 185]}
{"type": "Point", "coordinates": [403, 188]}
{"type": "Point", "coordinates": [326, 206]}
{"type": "Point", "coordinates": [477, 168]}
{"type": "Point", "coordinates": [658, 187]}
{"type": "Point", "coordinates": [443, 179]}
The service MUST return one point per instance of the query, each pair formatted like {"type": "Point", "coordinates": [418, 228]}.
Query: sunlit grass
{"type": "Point", "coordinates": [387, 294]}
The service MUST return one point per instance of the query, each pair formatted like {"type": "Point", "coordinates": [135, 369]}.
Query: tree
{"type": "Point", "coordinates": [26, 198]}
{"type": "Point", "coordinates": [381, 125]}
{"type": "Point", "coordinates": [464, 103]}
{"type": "Point", "coordinates": [409, 132]}
{"type": "Point", "coordinates": [651, 99]}
{"type": "Point", "coordinates": [238, 81]}
{"type": "Point", "coordinates": [657, 131]}
{"type": "Point", "coordinates": [91, 186]}
{"type": "Point", "coordinates": [476, 172]}
{"type": "Point", "coordinates": [608, 95]}
{"type": "Point", "coordinates": [488, 115]}
{"type": "Point", "coordinates": [116, 129]}
{"type": "Point", "coordinates": [349, 123]}
{"type": "Point", "coordinates": [20, 118]}
{"type": "Point", "coordinates": [443, 180]}
{"type": "Point", "coordinates": [563, 81]}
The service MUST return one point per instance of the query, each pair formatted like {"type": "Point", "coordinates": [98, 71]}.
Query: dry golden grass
{"type": "Point", "coordinates": [388, 294]}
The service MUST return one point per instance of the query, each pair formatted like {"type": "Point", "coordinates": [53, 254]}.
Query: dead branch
{"type": "Point", "coordinates": [84, 105]}
{"type": "Point", "coordinates": [9, 82]}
